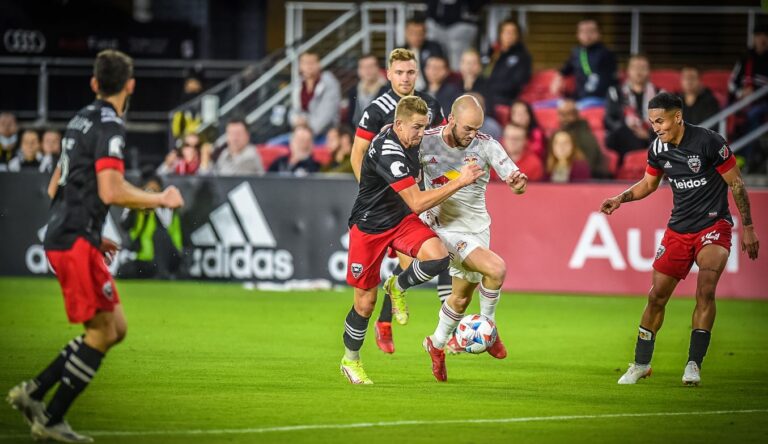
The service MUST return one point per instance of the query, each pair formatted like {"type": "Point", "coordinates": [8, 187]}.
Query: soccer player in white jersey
{"type": "Point", "coordinates": [462, 221]}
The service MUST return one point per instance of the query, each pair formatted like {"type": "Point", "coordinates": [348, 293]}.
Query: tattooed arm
{"type": "Point", "coordinates": [749, 242]}
{"type": "Point", "coordinates": [646, 186]}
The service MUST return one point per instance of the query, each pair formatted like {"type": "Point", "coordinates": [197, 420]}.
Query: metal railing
{"type": "Point", "coordinates": [720, 119]}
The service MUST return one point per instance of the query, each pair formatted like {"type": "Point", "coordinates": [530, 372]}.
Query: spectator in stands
{"type": "Point", "coordinates": [626, 109]}
{"type": "Point", "coordinates": [9, 139]}
{"type": "Point", "coordinates": [455, 24]}
{"type": "Point", "coordinates": [698, 101]}
{"type": "Point", "coordinates": [521, 114]}
{"type": "Point", "coordinates": [571, 121]}
{"type": "Point", "coordinates": [238, 158]}
{"type": "Point", "coordinates": [367, 88]}
{"type": "Point", "coordinates": [339, 143]}
{"type": "Point", "coordinates": [471, 69]}
{"type": "Point", "coordinates": [51, 151]}
{"type": "Point", "coordinates": [316, 104]}
{"type": "Point", "coordinates": [565, 161]}
{"type": "Point", "coordinates": [300, 161]}
{"type": "Point", "coordinates": [438, 85]}
{"type": "Point", "coordinates": [509, 65]}
{"type": "Point", "coordinates": [30, 155]}
{"type": "Point", "coordinates": [491, 126]}
{"type": "Point", "coordinates": [515, 143]}
{"type": "Point", "coordinates": [591, 62]}
{"type": "Point", "coordinates": [185, 161]}
{"type": "Point", "coordinates": [416, 41]}
{"type": "Point", "coordinates": [187, 120]}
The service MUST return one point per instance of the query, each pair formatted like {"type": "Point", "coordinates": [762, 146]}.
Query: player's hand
{"type": "Point", "coordinates": [108, 248]}
{"type": "Point", "coordinates": [469, 174]}
{"type": "Point", "coordinates": [171, 198]}
{"type": "Point", "coordinates": [749, 242]}
{"type": "Point", "coordinates": [170, 159]}
{"type": "Point", "coordinates": [517, 180]}
{"type": "Point", "coordinates": [610, 205]}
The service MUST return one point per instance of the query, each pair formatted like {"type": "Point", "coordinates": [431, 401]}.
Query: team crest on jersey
{"type": "Point", "coordinates": [460, 246]}
{"type": "Point", "coordinates": [694, 163]}
{"type": "Point", "coordinates": [660, 251]}
{"type": "Point", "coordinates": [724, 152]}
{"type": "Point", "coordinates": [107, 290]}
{"type": "Point", "coordinates": [357, 270]}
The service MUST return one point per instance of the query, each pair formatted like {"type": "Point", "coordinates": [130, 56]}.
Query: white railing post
{"type": "Point", "coordinates": [634, 46]}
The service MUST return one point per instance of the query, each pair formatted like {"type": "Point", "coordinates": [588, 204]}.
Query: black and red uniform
{"type": "Point", "coordinates": [93, 141]}
{"type": "Point", "coordinates": [381, 112]}
{"type": "Point", "coordinates": [380, 217]}
{"type": "Point", "coordinates": [700, 215]}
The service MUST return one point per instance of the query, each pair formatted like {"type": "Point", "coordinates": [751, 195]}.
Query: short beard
{"type": "Point", "coordinates": [456, 138]}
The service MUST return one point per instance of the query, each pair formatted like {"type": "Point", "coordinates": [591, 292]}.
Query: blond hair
{"type": "Point", "coordinates": [400, 55]}
{"type": "Point", "coordinates": [410, 105]}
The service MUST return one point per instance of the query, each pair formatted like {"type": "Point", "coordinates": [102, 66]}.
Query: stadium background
{"type": "Point", "coordinates": [277, 233]}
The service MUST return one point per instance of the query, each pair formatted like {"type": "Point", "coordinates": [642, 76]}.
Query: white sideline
{"type": "Point", "coordinates": [359, 425]}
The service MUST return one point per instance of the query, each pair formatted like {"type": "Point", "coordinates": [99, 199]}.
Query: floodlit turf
{"type": "Point", "coordinates": [217, 363]}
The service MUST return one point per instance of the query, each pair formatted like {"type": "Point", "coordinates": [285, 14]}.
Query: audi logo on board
{"type": "Point", "coordinates": [24, 41]}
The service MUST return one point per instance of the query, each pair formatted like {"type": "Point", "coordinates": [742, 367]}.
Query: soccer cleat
{"type": "Point", "coordinates": [399, 305]}
{"type": "Point", "coordinates": [18, 397]}
{"type": "Point", "coordinates": [634, 373]}
{"type": "Point", "coordinates": [384, 336]}
{"type": "Point", "coordinates": [61, 432]}
{"type": "Point", "coordinates": [692, 374]}
{"type": "Point", "coordinates": [452, 346]}
{"type": "Point", "coordinates": [438, 360]}
{"type": "Point", "coordinates": [354, 371]}
{"type": "Point", "coordinates": [497, 350]}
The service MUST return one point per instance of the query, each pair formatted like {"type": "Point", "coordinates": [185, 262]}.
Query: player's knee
{"type": "Point", "coordinates": [657, 299]}
{"type": "Point", "coordinates": [121, 331]}
{"type": "Point", "coordinates": [435, 266]}
{"type": "Point", "coordinates": [498, 271]}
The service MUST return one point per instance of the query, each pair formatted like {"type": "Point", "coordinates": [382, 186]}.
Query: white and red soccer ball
{"type": "Point", "coordinates": [475, 333]}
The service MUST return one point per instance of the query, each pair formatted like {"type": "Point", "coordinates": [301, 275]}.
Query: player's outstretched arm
{"type": "Point", "coordinates": [517, 181]}
{"type": "Point", "coordinates": [749, 241]}
{"type": "Point", "coordinates": [115, 190]}
{"type": "Point", "coordinates": [640, 190]}
{"type": "Point", "coordinates": [359, 148]}
{"type": "Point", "coordinates": [420, 201]}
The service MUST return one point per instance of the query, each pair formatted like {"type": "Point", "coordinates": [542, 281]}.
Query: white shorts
{"type": "Point", "coordinates": [460, 245]}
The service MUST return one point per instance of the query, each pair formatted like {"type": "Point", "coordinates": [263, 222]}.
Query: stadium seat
{"type": "Point", "coordinates": [502, 113]}
{"type": "Point", "coordinates": [717, 81]}
{"type": "Point", "coordinates": [548, 120]}
{"type": "Point", "coordinates": [270, 153]}
{"type": "Point", "coordinates": [612, 159]}
{"type": "Point", "coordinates": [322, 156]}
{"type": "Point", "coordinates": [538, 88]}
{"type": "Point", "coordinates": [634, 165]}
{"type": "Point", "coordinates": [666, 79]}
{"type": "Point", "coordinates": [594, 116]}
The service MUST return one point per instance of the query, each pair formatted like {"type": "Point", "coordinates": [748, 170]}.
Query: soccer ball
{"type": "Point", "coordinates": [475, 333]}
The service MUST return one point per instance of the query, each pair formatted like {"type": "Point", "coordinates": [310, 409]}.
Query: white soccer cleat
{"type": "Point", "coordinates": [692, 374]}
{"type": "Point", "coordinates": [634, 373]}
{"type": "Point", "coordinates": [354, 371]}
{"type": "Point", "coordinates": [61, 432]}
{"type": "Point", "coordinates": [18, 397]}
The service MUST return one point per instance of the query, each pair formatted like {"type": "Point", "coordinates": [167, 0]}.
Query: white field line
{"type": "Point", "coordinates": [363, 425]}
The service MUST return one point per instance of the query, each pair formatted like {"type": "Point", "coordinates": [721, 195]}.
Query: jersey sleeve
{"type": "Point", "coordinates": [438, 119]}
{"type": "Point", "coordinates": [392, 166]}
{"type": "Point", "coordinates": [654, 167]}
{"type": "Point", "coordinates": [110, 143]}
{"type": "Point", "coordinates": [500, 161]}
{"type": "Point", "coordinates": [370, 123]}
{"type": "Point", "coordinates": [719, 153]}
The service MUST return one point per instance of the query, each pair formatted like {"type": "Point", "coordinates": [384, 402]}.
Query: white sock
{"type": "Point", "coordinates": [449, 319]}
{"type": "Point", "coordinates": [488, 301]}
{"type": "Point", "coordinates": [352, 355]}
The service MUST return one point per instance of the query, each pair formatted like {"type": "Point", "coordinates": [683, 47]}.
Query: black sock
{"type": "Point", "coordinates": [386, 306]}
{"type": "Point", "coordinates": [644, 347]}
{"type": "Point", "coordinates": [79, 368]}
{"type": "Point", "coordinates": [52, 374]}
{"type": "Point", "coordinates": [444, 285]}
{"type": "Point", "coordinates": [699, 345]}
{"type": "Point", "coordinates": [355, 327]}
{"type": "Point", "coordinates": [421, 271]}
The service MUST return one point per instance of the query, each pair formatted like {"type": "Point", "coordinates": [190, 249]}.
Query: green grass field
{"type": "Point", "coordinates": [217, 363]}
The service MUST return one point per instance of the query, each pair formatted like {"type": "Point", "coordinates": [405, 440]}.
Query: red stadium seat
{"type": "Point", "coordinates": [270, 153]}
{"type": "Point", "coordinates": [612, 159]}
{"type": "Point", "coordinates": [322, 156]}
{"type": "Point", "coordinates": [634, 165]}
{"type": "Point", "coordinates": [666, 79]}
{"type": "Point", "coordinates": [548, 120]}
{"type": "Point", "coordinates": [502, 113]}
{"type": "Point", "coordinates": [538, 88]}
{"type": "Point", "coordinates": [594, 116]}
{"type": "Point", "coordinates": [717, 81]}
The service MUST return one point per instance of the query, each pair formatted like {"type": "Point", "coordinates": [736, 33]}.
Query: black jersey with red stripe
{"type": "Point", "coordinates": [388, 168]}
{"type": "Point", "coordinates": [381, 112]}
{"type": "Point", "coordinates": [694, 169]}
{"type": "Point", "coordinates": [93, 141]}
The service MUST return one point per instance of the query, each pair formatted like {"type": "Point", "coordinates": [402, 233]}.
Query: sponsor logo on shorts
{"type": "Point", "coordinates": [107, 290]}
{"type": "Point", "coordinates": [710, 238]}
{"type": "Point", "coordinates": [694, 163]}
{"type": "Point", "coordinates": [461, 246]}
{"type": "Point", "coordinates": [660, 251]}
{"type": "Point", "coordinates": [357, 269]}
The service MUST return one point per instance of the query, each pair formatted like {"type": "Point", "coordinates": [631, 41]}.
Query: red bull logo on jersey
{"type": "Point", "coordinates": [694, 163]}
{"type": "Point", "coordinates": [444, 178]}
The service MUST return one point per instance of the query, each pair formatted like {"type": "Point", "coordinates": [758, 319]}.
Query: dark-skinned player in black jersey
{"type": "Point", "coordinates": [385, 215]}
{"type": "Point", "coordinates": [701, 168]}
{"type": "Point", "coordinates": [88, 179]}
{"type": "Point", "coordinates": [402, 71]}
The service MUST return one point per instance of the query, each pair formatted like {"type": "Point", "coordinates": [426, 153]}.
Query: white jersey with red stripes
{"type": "Point", "coordinates": [465, 211]}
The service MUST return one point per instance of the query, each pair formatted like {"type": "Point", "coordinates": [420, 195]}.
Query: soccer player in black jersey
{"type": "Point", "coordinates": [700, 167]}
{"type": "Point", "coordinates": [87, 180]}
{"type": "Point", "coordinates": [385, 215]}
{"type": "Point", "coordinates": [402, 70]}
